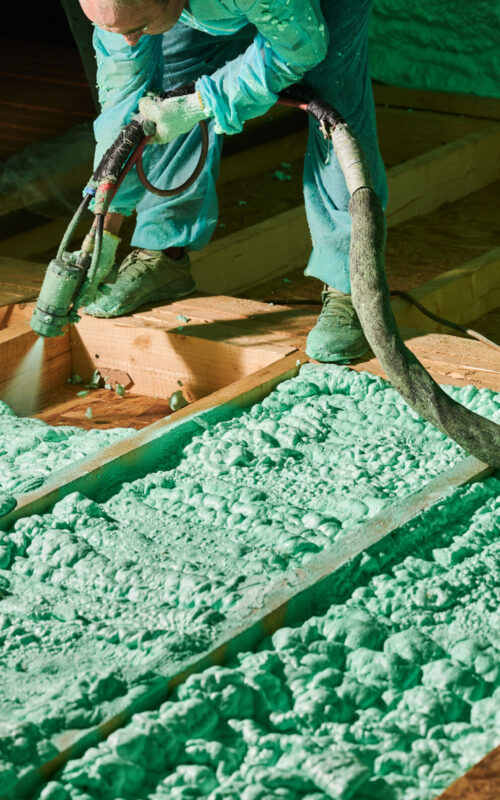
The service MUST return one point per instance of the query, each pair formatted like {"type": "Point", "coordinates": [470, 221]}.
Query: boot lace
{"type": "Point", "coordinates": [138, 263]}
{"type": "Point", "coordinates": [337, 306]}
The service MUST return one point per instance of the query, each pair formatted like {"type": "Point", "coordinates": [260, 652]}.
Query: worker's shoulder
{"type": "Point", "coordinates": [219, 11]}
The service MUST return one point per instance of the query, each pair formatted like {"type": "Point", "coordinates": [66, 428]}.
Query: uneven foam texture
{"type": "Point", "coordinates": [31, 451]}
{"type": "Point", "coordinates": [107, 597]}
{"type": "Point", "coordinates": [393, 693]}
{"type": "Point", "coordinates": [443, 45]}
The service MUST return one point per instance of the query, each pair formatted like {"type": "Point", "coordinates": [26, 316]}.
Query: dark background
{"type": "Point", "coordinates": [36, 21]}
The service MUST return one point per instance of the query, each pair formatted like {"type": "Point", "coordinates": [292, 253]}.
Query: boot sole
{"type": "Point", "coordinates": [338, 358]}
{"type": "Point", "coordinates": [153, 297]}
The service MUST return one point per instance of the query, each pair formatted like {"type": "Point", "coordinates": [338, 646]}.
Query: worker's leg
{"type": "Point", "coordinates": [343, 79]}
{"type": "Point", "coordinates": [187, 220]}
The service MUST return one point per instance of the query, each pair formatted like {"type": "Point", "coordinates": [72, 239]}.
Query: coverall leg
{"type": "Point", "coordinates": [342, 79]}
{"type": "Point", "coordinates": [189, 219]}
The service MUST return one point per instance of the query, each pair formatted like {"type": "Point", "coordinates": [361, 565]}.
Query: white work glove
{"type": "Point", "coordinates": [173, 116]}
{"type": "Point", "coordinates": [88, 290]}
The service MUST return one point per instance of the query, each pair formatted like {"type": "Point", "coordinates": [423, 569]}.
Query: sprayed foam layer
{"type": "Point", "coordinates": [444, 45]}
{"type": "Point", "coordinates": [393, 693]}
{"type": "Point", "coordinates": [103, 595]}
{"type": "Point", "coordinates": [31, 451]}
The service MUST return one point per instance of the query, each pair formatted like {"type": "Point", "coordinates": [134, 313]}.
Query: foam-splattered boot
{"type": "Point", "coordinates": [337, 336]}
{"type": "Point", "coordinates": [145, 276]}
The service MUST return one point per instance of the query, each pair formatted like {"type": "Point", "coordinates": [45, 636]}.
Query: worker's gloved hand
{"type": "Point", "coordinates": [88, 290]}
{"type": "Point", "coordinates": [174, 115]}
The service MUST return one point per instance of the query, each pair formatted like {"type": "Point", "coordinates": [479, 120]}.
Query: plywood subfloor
{"type": "Point", "coordinates": [109, 410]}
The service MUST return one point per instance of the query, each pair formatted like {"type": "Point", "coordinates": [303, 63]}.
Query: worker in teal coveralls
{"type": "Point", "coordinates": [239, 54]}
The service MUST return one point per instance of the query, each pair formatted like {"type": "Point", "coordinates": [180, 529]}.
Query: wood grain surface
{"type": "Point", "coordinates": [482, 782]}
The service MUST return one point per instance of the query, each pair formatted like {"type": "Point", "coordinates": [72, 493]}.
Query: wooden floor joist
{"type": "Point", "coordinates": [445, 102]}
{"type": "Point", "coordinates": [476, 283]}
{"type": "Point", "coordinates": [20, 280]}
{"type": "Point", "coordinates": [38, 240]}
{"type": "Point", "coordinates": [16, 341]}
{"type": "Point", "coordinates": [212, 339]}
{"type": "Point", "coordinates": [444, 175]}
{"type": "Point", "coordinates": [158, 356]}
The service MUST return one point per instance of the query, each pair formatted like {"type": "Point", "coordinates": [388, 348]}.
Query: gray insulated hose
{"type": "Point", "coordinates": [371, 299]}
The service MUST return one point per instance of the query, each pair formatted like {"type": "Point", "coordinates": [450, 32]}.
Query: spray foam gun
{"type": "Point", "coordinates": [61, 292]}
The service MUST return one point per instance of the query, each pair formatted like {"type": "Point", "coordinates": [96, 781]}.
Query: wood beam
{"type": "Point", "coordinates": [459, 294]}
{"type": "Point", "coordinates": [404, 134]}
{"type": "Point", "coordinates": [446, 102]}
{"type": "Point", "coordinates": [444, 174]}
{"type": "Point", "coordinates": [30, 244]}
{"type": "Point", "coordinates": [20, 280]}
{"type": "Point", "coordinates": [157, 355]}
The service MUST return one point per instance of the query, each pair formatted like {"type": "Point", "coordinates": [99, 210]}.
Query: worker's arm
{"type": "Point", "coordinates": [124, 74]}
{"type": "Point", "coordinates": [292, 39]}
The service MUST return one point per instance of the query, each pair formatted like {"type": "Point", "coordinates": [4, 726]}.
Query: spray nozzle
{"type": "Point", "coordinates": [53, 309]}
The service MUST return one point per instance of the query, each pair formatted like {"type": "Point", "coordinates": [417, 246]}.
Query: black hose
{"type": "Point", "coordinates": [455, 325]}
{"type": "Point", "coordinates": [187, 183]}
{"type": "Point", "coordinates": [115, 157]}
{"type": "Point", "coordinates": [371, 299]}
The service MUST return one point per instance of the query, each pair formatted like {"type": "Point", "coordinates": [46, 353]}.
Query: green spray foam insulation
{"type": "Point", "coordinates": [31, 451]}
{"type": "Point", "coordinates": [442, 45]}
{"type": "Point", "coordinates": [393, 693]}
{"type": "Point", "coordinates": [97, 600]}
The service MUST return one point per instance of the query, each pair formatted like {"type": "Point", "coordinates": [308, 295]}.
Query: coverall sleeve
{"type": "Point", "coordinates": [291, 39]}
{"type": "Point", "coordinates": [124, 74]}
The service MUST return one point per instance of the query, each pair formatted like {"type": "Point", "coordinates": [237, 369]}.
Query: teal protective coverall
{"type": "Point", "coordinates": [241, 54]}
